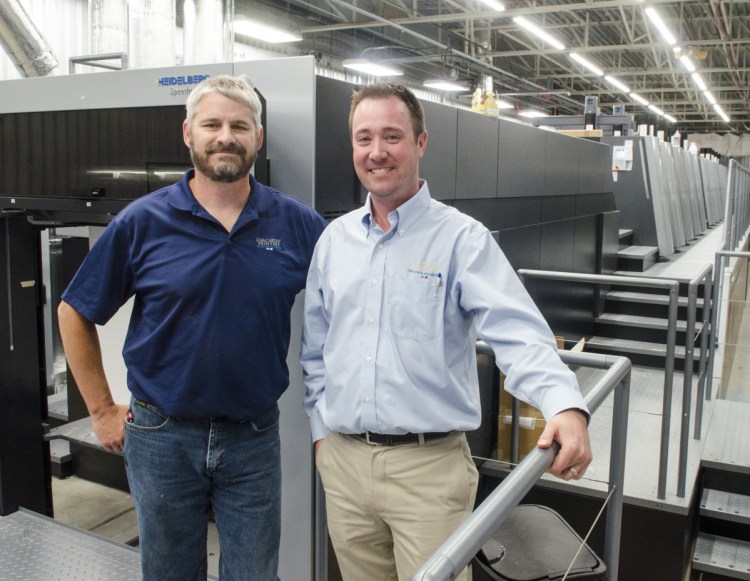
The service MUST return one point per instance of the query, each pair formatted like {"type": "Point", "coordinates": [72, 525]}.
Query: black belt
{"type": "Point", "coordinates": [396, 439]}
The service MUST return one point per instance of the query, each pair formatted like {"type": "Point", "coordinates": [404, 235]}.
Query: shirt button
{"type": "Point", "coordinates": [374, 282]}
{"type": "Point", "coordinates": [368, 359]}
{"type": "Point", "coordinates": [380, 246]}
{"type": "Point", "coordinates": [371, 321]}
{"type": "Point", "coordinates": [367, 398]}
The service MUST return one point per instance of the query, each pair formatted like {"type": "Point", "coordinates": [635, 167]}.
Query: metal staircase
{"type": "Point", "coordinates": [722, 548]}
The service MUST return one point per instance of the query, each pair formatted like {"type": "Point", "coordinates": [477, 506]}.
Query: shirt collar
{"type": "Point", "coordinates": [408, 212]}
{"type": "Point", "coordinates": [182, 198]}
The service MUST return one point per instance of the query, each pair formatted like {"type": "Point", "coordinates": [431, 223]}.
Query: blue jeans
{"type": "Point", "coordinates": [179, 469]}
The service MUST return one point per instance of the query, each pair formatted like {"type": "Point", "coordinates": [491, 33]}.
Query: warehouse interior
{"type": "Point", "coordinates": [610, 161]}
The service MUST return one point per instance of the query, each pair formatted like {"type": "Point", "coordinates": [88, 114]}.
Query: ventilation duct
{"type": "Point", "coordinates": [23, 43]}
{"type": "Point", "coordinates": [152, 34]}
{"type": "Point", "coordinates": [207, 34]}
{"type": "Point", "coordinates": [108, 20]}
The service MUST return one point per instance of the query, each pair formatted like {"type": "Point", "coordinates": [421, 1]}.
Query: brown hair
{"type": "Point", "coordinates": [385, 90]}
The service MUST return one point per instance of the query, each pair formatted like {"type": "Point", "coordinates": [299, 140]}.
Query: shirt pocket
{"type": "Point", "coordinates": [416, 309]}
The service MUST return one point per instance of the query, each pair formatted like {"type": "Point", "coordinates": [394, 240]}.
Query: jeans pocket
{"type": "Point", "coordinates": [267, 421]}
{"type": "Point", "coordinates": [146, 417]}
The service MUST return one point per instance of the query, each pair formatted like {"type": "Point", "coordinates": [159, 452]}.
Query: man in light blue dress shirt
{"type": "Point", "coordinates": [397, 294]}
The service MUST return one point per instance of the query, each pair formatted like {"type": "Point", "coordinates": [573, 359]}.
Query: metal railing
{"type": "Point", "coordinates": [673, 287]}
{"type": "Point", "coordinates": [687, 384]}
{"type": "Point", "coordinates": [466, 541]}
{"type": "Point", "coordinates": [736, 224]}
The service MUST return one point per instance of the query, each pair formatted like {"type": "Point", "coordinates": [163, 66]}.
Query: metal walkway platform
{"type": "Point", "coordinates": [36, 548]}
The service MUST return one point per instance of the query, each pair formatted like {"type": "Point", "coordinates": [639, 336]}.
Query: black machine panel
{"type": "Point", "coordinates": [119, 154]}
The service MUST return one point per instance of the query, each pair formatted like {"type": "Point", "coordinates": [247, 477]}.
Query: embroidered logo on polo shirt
{"type": "Point", "coordinates": [269, 244]}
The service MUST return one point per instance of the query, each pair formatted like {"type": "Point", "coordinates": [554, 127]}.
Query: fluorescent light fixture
{"type": "Point", "coordinates": [687, 63]}
{"type": "Point", "coordinates": [532, 113]}
{"type": "Point", "coordinates": [587, 63]}
{"type": "Point", "coordinates": [656, 110]}
{"type": "Point", "coordinates": [670, 118]}
{"type": "Point", "coordinates": [710, 96]}
{"type": "Point", "coordinates": [699, 81]}
{"type": "Point", "coordinates": [637, 97]}
{"type": "Point", "coordinates": [537, 31]}
{"type": "Point", "coordinates": [659, 23]}
{"type": "Point", "coordinates": [612, 81]}
{"type": "Point", "coordinates": [371, 68]}
{"type": "Point", "coordinates": [504, 104]}
{"type": "Point", "coordinates": [494, 5]}
{"type": "Point", "coordinates": [721, 113]}
{"type": "Point", "coordinates": [253, 29]}
{"type": "Point", "coordinates": [445, 85]}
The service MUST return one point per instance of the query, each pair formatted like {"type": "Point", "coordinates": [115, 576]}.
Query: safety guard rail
{"type": "Point", "coordinates": [736, 224]}
{"type": "Point", "coordinates": [466, 541]}
{"type": "Point", "coordinates": [673, 287]}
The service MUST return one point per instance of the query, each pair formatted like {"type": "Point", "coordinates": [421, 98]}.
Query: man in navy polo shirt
{"type": "Point", "coordinates": [214, 263]}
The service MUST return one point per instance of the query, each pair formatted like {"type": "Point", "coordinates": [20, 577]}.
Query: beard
{"type": "Point", "coordinates": [224, 170]}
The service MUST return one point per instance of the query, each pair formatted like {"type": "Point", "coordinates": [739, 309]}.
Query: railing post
{"type": "Point", "coordinates": [687, 388]}
{"type": "Point", "coordinates": [613, 524]}
{"type": "Point", "coordinates": [702, 371]}
{"type": "Point", "coordinates": [666, 418]}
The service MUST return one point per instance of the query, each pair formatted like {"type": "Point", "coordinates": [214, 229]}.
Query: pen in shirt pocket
{"type": "Point", "coordinates": [438, 282]}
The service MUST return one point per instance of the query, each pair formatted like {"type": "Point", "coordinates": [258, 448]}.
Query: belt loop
{"type": "Point", "coordinates": [421, 438]}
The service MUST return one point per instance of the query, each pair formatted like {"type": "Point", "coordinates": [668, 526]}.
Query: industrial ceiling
{"type": "Point", "coordinates": [468, 40]}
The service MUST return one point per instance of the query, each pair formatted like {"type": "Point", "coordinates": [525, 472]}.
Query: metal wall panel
{"type": "Point", "coordinates": [561, 164]}
{"type": "Point", "coordinates": [476, 151]}
{"type": "Point", "coordinates": [520, 165]}
{"type": "Point", "coordinates": [438, 166]}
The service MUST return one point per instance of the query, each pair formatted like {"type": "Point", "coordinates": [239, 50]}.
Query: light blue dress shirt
{"type": "Point", "coordinates": [391, 322]}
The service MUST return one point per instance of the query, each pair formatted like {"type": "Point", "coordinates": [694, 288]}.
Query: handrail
{"type": "Point", "coordinates": [687, 384]}
{"type": "Point", "coordinates": [466, 541]}
{"type": "Point", "coordinates": [736, 223]}
{"type": "Point", "coordinates": [674, 289]}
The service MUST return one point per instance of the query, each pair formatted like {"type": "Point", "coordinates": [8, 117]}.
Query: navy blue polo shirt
{"type": "Point", "coordinates": [209, 332]}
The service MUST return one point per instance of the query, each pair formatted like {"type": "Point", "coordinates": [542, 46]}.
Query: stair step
{"type": "Point", "coordinates": [637, 258]}
{"type": "Point", "coordinates": [635, 347]}
{"type": "Point", "coordinates": [638, 252]}
{"type": "Point", "coordinates": [624, 232]}
{"type": "Point", "coordinates": [722, 556]}
{"type": "Point", "coordinates": [638, 321]}
{"type": "Point", "coordinates": [647, 298]}
{"type": "Point", "coordinates": [727, 506]}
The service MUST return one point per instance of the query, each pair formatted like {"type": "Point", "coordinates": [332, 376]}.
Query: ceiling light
{"type": "Point", "coordinates": [699, 81]}
{"type": "Point", "coordinates": [611, 80]}
{"type": "Point", "coordinates": [253, 29]}
{"type": "Point", "coordinates": [687, 63]}
{"type": "Point", "coordinates": [371, 68]}
{"type": "Point", "coordinates": [638, 98]}
{"type": "Point", "coordinates": [494, 5]}
{"type": "Point", "coordinates": [670, 118]}
{"type": "Point", "coordinates": [656, 110]}
{"type": "Point", "coordinates": [586, 63]}
{"type": "Point", "coordinates": [534, 29]}
{"type": "Point", "coordinates": [721, 113]}
{"type": "Point", "coordinates": [709, 95]}
{"type": "Point", "coordinates": [659, 23]}
{"type": "Point", "coordinates": [504, 104]}
{"type": "Point", "coordinates": [445, 85]}
{"type": "Point", "coordinates": [532, 113]}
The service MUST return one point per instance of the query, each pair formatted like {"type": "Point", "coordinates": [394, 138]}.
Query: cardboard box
{"type": "Point", "coordinates": [531, 422]}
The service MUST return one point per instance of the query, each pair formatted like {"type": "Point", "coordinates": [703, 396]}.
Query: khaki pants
{"type": "Point", "coordinates": [391, 507]}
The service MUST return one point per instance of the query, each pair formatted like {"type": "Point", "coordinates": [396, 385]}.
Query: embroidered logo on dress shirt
{"type": "Point", "coordinates": [424, 270]}
{"type": "Point", "coordinates": [269, 244]}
